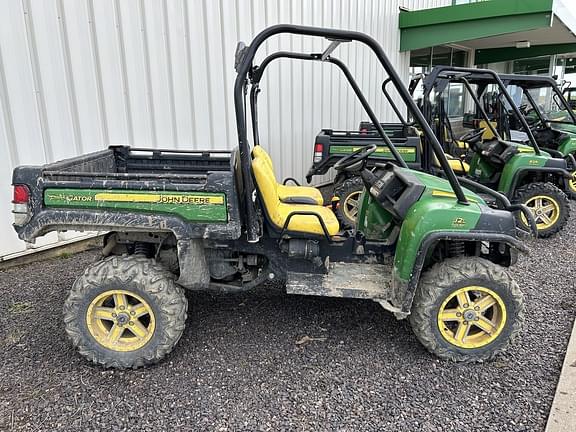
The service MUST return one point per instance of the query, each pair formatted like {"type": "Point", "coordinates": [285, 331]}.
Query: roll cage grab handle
{"type": "Point", "coordinates": [435, 74]}
{"type": "Point", "coordinates": [244, 61]}
{"type": "Point", "coordinates": [259, 70]}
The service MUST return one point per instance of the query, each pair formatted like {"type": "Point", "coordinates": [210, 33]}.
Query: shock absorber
{"type": "Point", "coordinates": [455, 248]}
{"type": "Point", "coordinates": [142, 248]}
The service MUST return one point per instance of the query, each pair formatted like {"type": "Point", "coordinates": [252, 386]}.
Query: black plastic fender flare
{"type": "Point", "coordinates": [561, 172]}
{"type": "Point", "coordinates": [409, 288]}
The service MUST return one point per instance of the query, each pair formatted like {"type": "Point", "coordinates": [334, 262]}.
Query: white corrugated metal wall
{"type": "Point", "coordinates": [78, 75]}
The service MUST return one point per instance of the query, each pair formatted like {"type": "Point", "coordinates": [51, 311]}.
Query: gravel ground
{"type": "Point", "coordinates": [238, 366]}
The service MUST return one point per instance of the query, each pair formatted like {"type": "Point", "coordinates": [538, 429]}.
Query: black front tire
{"type": "Point", "coordinates": [444, 279]}
{"type": "Point", "coordinates": [137, 276]}
{"type": "Point", "coordinates": [528, 193]}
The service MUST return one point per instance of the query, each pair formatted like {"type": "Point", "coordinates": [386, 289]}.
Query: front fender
{"type": "Point", "coordinates": [404, 290]}
{"type": "Point", "coordinates": [517, 166]}
{"type": "Point", "coordinates": [568, 146]}
{"type": "Point", "coordinates": [433, 219]}
{"type": "Point", "coordinates": [429, 215]}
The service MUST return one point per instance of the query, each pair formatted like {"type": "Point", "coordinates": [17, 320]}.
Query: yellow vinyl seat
{"type": "Point", "coordinates": [462, 145]}
{"type": "Point", "coordinates": [457, 165]}
{"type": "Point", "coordinates": [278, 211]}
{"type": "Point", "coordinates": [289, 194]}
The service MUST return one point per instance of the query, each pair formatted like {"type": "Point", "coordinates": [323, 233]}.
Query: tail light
{"type": "Point", "coordinates": [318, 150]}
{"type": "Point", "coordinates": [21, 204]}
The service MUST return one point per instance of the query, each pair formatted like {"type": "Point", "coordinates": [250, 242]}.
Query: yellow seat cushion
{"type": "Point", "coordinates": [278, 211]}
{"type": "Point", "coordinates": [286, 192]}
{"type": "Point", "coordinates": [488, 134]}
{"type": "Point", "coordinates": [457, 165]}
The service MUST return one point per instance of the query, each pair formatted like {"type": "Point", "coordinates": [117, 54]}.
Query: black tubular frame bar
{"type": "Point", "coordinates": [244, 65]}
{"type": "Point", "coordinates": [475, 75]}
{"type": "Point", "coordinates": [259, 70]}
{"type": "Point", "coordinates": [393, 105]}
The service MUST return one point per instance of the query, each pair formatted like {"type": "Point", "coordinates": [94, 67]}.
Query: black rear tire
{"type": "Point", "coordinates": [552, 196]}
{"type": "Point", "coordinates": [147, 285]}
{"type": "Point", "coordinates": [348, 193]}
{"type": "Point", "coordinates": [440, 283]}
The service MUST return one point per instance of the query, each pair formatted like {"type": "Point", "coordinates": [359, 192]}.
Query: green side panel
{"type": "Point", "coordinates": [190, 206]}
{"type": "Point", "coordinates": [494, 55]}
{"type": "Point", "coordinates": [517, 162]}
{"type": "Point", "coordinates": [437, 210]}
{"type": "Point", "coordinates": [373, 220]}
{"type": "Point", "coordinates": [430, 27]}
{"type": "Point", "coordinates": [428, 215]}
{"type": "Point", "coordinates": [481, 169]}
{"type": "Point", "coordinates": [435, 184]}
{"type": "Point", "coordinates": [407, 153]}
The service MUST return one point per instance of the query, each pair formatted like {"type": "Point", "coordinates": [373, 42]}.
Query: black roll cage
{"type": "Point", "coordinates": [244, 65]}
{"type": "Point", "coordinates": [527, 82]}
{"type": "Point", "coordinates": [466, 76]}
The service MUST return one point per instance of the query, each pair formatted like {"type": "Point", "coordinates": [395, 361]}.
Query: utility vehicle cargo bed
{"type": "Point", "coordinates": [192, 193]}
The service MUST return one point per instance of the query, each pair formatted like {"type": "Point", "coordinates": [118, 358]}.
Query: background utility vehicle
{"type": "Point", "coordinates": [424, 248]}
{"type": "Point", "coordinates": [552, 122]}
{"type": "Point", "coordinates": [522, 172]}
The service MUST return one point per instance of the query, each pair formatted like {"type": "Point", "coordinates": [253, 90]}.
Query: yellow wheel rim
{"type": "Point", "coordinates": [472, 317]}
{"type": "Point", "coordinates": [120, 320]}
{"type": "Point", "coordinates": [351, 205]}
{"type": "Point", "coordinates": [572, 182]}
{"type": "Point", "coordinates": [545, 210]}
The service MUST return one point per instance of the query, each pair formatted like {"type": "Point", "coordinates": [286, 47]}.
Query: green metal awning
{"type": "Point", "coordinates": [493, 28]}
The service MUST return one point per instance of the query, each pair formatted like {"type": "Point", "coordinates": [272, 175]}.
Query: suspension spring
{"type": "Point", "coordinates": [146, 249]}
{"type": "Point", "coordinates": [456, 248]}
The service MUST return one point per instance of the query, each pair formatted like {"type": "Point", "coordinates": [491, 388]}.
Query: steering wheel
{"type": "Point", "coordinates": [355, 161]}
{"type": "Point", "coordinates": [472, 136]}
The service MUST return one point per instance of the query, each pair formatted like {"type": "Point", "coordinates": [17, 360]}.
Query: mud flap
{"type": "Point", "coordinates": [194, 272]}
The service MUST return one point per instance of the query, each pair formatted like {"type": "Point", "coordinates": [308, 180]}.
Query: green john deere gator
{"type": "Point", "coordinates": [425, 248]}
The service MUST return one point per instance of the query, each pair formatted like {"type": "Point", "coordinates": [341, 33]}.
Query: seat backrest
{"type": "Point", "coordinates": [267, 186]}
{"type": "Point", "coordinates": [259, 152]}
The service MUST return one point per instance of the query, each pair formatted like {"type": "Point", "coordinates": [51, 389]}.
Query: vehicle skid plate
{"type": "Point", "coordinates": [351, 280]}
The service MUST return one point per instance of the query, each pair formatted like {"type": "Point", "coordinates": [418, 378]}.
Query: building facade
{"type": "Point", "coordinates": [79, 75]}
